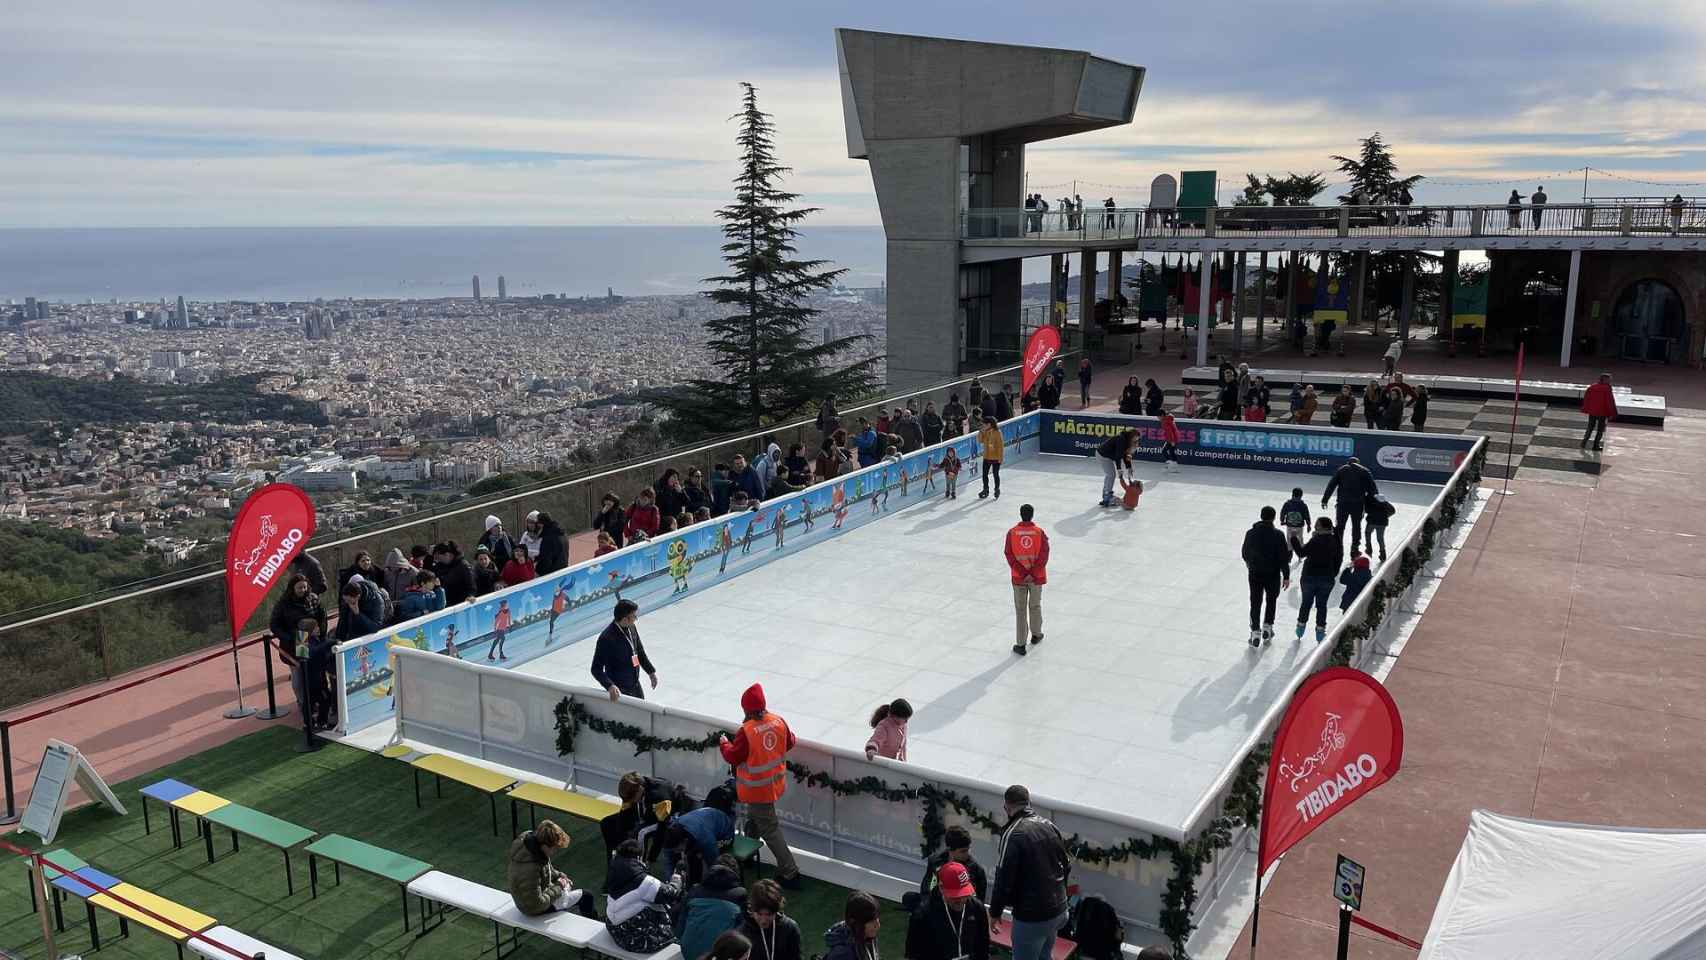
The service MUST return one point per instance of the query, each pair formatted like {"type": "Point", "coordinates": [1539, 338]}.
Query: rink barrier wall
{"type": "Point", "coordinates": [647, 572]}
{"type": "Point", "coordinates": [509, 719]}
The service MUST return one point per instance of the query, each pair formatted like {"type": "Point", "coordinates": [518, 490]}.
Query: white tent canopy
{"type": "Point", "coordinates": [1529, 888]}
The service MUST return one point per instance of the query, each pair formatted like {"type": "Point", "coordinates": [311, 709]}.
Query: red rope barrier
{"type": "Point", "coordinates": [42, 861]}
{"type": "Point", "coordinates": [1357, 919]}
{"type": "Point", "coordinates": [263, 638]}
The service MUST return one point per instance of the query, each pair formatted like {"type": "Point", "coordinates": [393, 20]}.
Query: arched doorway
{"type": "Point", "coordinates": [1649, 322]}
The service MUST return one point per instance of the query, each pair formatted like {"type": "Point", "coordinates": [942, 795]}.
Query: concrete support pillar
{"type": "Point", "coordinates": [1086, 292]}
{"type": "Point", "coordinates": [1570, 308]}
{"type": "Point", "coordinates": [1238, 307]}
{"type": "Point", "coordinates": [1113, 277]}
{"type": "Point", "coordinates": [1261, 295]}
{"type": "Point", "coordinates": [1203, 316]}
{"type": "Point", "coordinates": [1448, 293]}
{"type": "Point", "coordinates": [1357, 286]}
{"type": "Point", "coordinates": [1056, 283]}
{"type": "Point", "coordinates": [1406, 301]}
{"type": "Point", "coordinates": [1290, 293]}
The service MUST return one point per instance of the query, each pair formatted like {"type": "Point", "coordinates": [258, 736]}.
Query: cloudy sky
{"type": "Point", "coordinates": [304, 112]}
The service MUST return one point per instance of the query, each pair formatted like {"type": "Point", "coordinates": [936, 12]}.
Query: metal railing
{"type": "Point", "coordinates": [1416, 221]}
{"type": "Point", "coordinates": [100, 636]}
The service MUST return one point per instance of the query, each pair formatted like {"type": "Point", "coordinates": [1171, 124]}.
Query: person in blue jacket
{"type": "Point", "coordinates": [701, 832]}
{"type": "Point", "coordinates": [868, 443]}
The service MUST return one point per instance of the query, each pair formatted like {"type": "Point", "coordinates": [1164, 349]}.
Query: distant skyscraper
{"type": "Point", "coordinates": [29, 309]}
{"type": "Point", "coordinates": [503, 291]}
{"type": "Point", "coordinates": [476, 286]}
{"type": "Point", "coordinates": [183, 315]}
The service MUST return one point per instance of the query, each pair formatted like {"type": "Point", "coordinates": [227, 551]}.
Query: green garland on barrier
{"type": "Point", "coordinates": [1410, 564]}
{"type": "Point", "coordinates": [1242, 808]}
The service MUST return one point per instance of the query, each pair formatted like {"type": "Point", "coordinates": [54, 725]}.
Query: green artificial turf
{"type": "Point", "coordinates": [333, 790]}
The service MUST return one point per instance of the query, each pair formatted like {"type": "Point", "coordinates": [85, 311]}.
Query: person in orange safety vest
{"type": "Point", "coordinates": [759, 755]}
{"type": "Point", "coordinates": [1027, 559]}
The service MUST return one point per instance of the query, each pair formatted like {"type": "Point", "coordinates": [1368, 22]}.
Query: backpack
{"type": "Point", "coordinates": [1097, 930]}
{"type": "Point", "coordinates": [1381, 508]}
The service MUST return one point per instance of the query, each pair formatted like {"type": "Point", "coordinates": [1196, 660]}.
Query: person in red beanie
{"type": "Point", "coordinates": [759, 754]}
{"type": "Point", "coordinates": [1600, 406]}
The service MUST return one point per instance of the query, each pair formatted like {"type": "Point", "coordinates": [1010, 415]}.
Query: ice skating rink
{"type": "Point", "coordinates": [1141, 693]}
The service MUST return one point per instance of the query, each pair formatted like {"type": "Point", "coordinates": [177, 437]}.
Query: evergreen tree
{"type": "Point", "coordinates": [1294, 189]}
{"type": "Point", "coordinates": [768, 369]}
{"type": "Point", "coordinates": [1374, 174]}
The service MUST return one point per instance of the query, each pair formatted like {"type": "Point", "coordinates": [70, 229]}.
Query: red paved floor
{"type": "Point", "coordinates": [137, 730]}
{"type": "Point", "coordinates": [1559, 673]}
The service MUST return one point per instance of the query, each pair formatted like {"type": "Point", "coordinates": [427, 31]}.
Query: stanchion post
{"type": "Point", "coordinates": [11, 814]}
{"type": "Point", "coordinates": [1344, 932]}
{"type": "Point", "coordinates": [272, 712]}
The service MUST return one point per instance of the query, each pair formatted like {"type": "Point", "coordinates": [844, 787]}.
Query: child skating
{"type": "Point", "coordinates": [950, 474]}
{"type": "Point", "coordinates": [1169, 442]}
{"type": "Point", "coordinates": [1294, 516]}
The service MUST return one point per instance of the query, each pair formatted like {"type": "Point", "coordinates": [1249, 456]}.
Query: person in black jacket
{"type": "Point", "coordinates": [553, 546]}
{"type": "Point", "coordinates": [611, 518]}
{"type": "Point", "coordinates": [1031, 868]}
{"type": "Point", "coordinates": [1392, 414]}
{"type": "Point", "coordinates": [454, 573]}
{"type": "Point", "coordinates": [1004, 403]}
{"type": "Point", "coordinates": [620, 656]}
{"type": "Point", "coordinates": [1131, 397]}
{"type": "Point", "coordinates": [1372, 402]}
{"type": "Point", "coordinates": [353, 624]}
{"type": "Point", "coordinates": [1154, 401]}
{"type": "Point", "coordinates": [1229, 408]}
{"type": "Point", "coordinates": [956, 848]}
{"type": "Point", "coordinates": [305, 564]}
{"type": "Point", "coordinates": [1267, 560]}
{"type": "Point", "coordinates": [774, 934]}
{"type": "Point", "coordinates": [1048, 395]}
{"type": "Point", "coordinates": [299, 603]}
{"type": "Point", "coordinates": [951, 923]}
{"type": "Point", "coordinates": [363, 565]}
{"type": "Point", "coordinates": [1321, 558]}
{"type": "Point", "coordinates": [1354, 485]}
{"type": "Point", "coordinates": [1114, 454]}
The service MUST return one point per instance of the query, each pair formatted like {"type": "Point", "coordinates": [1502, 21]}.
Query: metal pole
{"type": "Point", "coordinates": [1344, 932]}
{"type": "Point", "coordinates": [1256, 917]}
{"type": "Point", "coordinates": [272, 712]}
{"type": "Point", "coordinates": [11, 814]}
{"type": "Point", "coordinates": [1207, 258]}
{"type": "Point", "coordinates": [239, 711]}
{"type": "Point", "coordinates": [1261, 295]}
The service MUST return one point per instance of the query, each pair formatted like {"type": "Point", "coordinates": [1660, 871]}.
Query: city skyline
{"type": "Point", "coordinates": [406, 116]}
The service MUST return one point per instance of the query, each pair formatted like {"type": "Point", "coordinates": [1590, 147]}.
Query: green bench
{"type": "Point", "coordinates": [386, 864]}
{"type": "Point", "coordinates": [268, 829]}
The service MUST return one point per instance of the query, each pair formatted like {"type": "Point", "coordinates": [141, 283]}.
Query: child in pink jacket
{"type": "Point", "coordinates": [888, 731]}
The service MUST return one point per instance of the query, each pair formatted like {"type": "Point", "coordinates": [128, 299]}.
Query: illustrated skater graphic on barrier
{"type": "Point", "coordinates": [838, 504]}
{"type": "Point", "coordinates": [559, 603]}
{"type": "Point", "coordinates": [780, 524]}
{"type": "Point", "coordinates": [450, 642]}
{"type": "Point", "coordinates": [500, 629]}
{"type": "Point", "coordinates": [753, 520]}
{"type": "Point", "coordinates": [725, 543]}
{"type": "Point", "coordinates": [679, 565]}
{"type": "Point", "coordinates": [806, 513]}
{"type": "Point", "coordinates": [363, 664]}
{"type": "Point", "coordinates": [929, 475]}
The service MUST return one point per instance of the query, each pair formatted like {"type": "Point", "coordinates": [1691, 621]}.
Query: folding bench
{"type": "Point", "coordinates": [62, 860]}
{"type": "Point", "coordinates": [487, 782]}
{"type": "Point", "coordinates": [268, 829]}
{"type": "Point", "coordinates": [165, 917]}
{"type": "Point", "coordinates": [228, 937]}
{"type": "Point", "coordinates": [537, 795]}
{"type": "Point", "coordinates": [378, 861]}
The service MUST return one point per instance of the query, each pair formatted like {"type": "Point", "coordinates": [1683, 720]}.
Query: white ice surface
{"type": "Point", "coordinates": [1140, 695]}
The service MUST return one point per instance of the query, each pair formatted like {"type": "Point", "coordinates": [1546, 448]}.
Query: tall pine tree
{"type": "Point", "coordinates": [768, 367]}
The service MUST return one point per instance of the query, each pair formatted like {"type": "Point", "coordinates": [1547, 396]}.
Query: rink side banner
{"type": "Point", "coordinates": [549, 613]}
{"type": "Point", "coordinates": [1390, 455]}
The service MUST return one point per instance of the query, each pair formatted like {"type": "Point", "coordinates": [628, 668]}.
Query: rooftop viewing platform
{"type": "Point", "coordinates": [1553, 226]}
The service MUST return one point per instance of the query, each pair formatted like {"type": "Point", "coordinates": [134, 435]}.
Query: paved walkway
{"type": "Point", "coordinates": [1559, 673]}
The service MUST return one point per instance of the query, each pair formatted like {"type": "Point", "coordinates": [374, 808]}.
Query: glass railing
{"type": "Point", "coordinates": [1414, 221]}
{"type": "Point", "coordinates": [99, 636]}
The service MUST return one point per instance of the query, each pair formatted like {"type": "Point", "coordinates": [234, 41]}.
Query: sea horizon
{"type": "Point", "coordinates": [83, 264]}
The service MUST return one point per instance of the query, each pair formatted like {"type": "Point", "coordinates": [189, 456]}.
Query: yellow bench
{"type": "Point", "coordinates": [171, 920]}
{"type": "Point", "coordinates": [537, 795]}
{"type": "Point", "coordinates": [487, 782]}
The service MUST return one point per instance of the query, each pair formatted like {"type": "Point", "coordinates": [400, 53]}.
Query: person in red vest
{"type": "Point", "coordinates": [759, 755]}
{"type": "Point", "coordinates": [1027, 559]}
{"type": "Point", "coordinates": [1600, 406]}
